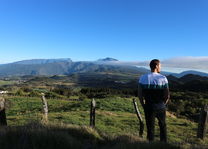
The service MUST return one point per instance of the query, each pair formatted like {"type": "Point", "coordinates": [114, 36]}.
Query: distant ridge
{"type": "Point", "coordinates": [187, 78]}
{"type": "Point", "coordinates": [50, 67]}
{"type": "Point", "coordinates": [192, 77]}
{"type": "Point", "coordinates": [179, 75]}
{"type": "Point", "coordinates": [65, 66]}
{"type": "Point", "coordinates": [42, 61]}
{"type": "Point", "coordinates": [189, 82]}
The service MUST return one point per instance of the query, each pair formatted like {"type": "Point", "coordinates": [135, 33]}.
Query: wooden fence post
{"type": "Point", "coordinates": [202, 122]}
{"type": "Point", "coordinates": [141, 124]}
{"type": "Point", "coordinates": [3, 120]}
{"type": "Point", "coordinates": [92, 113]}
{"type": "Point", "coordinates": [45, 108]}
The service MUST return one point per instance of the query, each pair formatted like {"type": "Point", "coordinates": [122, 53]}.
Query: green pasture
{"type": "Point", "coordinates": [114, 116]}
{"type": "Point", "coordinates": [2, 82]}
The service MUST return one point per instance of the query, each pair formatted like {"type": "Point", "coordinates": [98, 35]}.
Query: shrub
{"type": "Point", "coordinates": [52, 95]}
{"type": "Point", "coordinates": [34, 94]}
{"type": "Point", "coordinates": [20, 92]}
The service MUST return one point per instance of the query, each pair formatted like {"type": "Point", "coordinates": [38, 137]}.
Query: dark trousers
{"type": "Point", "coordinates": [150, 115]}
{"type": "Point", "coordinates": [3, 117]}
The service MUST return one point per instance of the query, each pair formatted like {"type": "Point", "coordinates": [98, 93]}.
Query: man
{"type": "Point", "coordinates": [2, 111]}
{"type": "Point", "coordinates": [153, 94]}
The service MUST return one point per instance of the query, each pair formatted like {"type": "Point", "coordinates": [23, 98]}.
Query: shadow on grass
{"type": "Point", "coordinates": [51, 136]}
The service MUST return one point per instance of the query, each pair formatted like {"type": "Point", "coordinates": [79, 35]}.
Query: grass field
{"type": "Point", "coordinates": [2, 82]}
{"type": "Point", "coordinates": [114, 117]}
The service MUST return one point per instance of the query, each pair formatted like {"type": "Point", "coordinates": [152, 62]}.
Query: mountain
{"type": "Point", "coordinates": [189, 82]}
{"type": "Point", "coordinates": [172, 78]}
{"type": "Point", "coordinates": [192, 77]}
{"type": "Point", "coordinates": [67, 66]}
{"type": "Point", "coordinates": [108, 59]}
{"type": "Point", "coordinates": [60, 67]}
{"type": "Point", "coordinates": [190, 72]}
{"type": "Point", "coordinates": [43, 61]}
{"type": "Point", "coordinates": [33, 69]}
{"type": "Point", "coordinates": [187, 78]}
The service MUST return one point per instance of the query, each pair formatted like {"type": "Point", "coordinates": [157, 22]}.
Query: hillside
{"type": "Point", "coordinates": [189, 82]}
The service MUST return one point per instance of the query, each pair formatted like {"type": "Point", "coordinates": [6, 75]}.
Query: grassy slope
{"type": "Point", "coordinates": [114, 116]}
{"type": "Point", "coordinates": [36, 136]}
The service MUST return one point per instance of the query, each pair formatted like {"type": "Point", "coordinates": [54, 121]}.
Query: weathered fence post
{"type": "Point", "coordinates": [45, 108]}
{"type": "Point", "coordinates": [92, 113]}
{"type": "Point", "coordinates": [141, 124]}
{"type": "Point", "coordinates": [202, 122]}
{"type": "Point", "coordinates": [3, 121]}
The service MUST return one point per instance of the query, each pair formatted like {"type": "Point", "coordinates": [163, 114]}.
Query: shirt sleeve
{"type": "Point", "coordinates": [140, 80]}
{"type": "Point", "coordinates": [166, 83]}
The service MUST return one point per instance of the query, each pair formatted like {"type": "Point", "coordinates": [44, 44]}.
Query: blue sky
{"type": "Point", "coordinates": [128, 30]}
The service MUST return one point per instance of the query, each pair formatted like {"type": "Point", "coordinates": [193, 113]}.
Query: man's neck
{"type": "Point", "coordinates": [154, 71]}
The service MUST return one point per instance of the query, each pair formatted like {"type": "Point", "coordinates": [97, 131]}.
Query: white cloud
{"type": "Point", "coordinates": [178, 64]}
{"type": "Point", "coordinates": [187, 62]}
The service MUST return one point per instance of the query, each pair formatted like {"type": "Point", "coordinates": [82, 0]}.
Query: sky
{"type": "Point", "coordinates": [128, 30]}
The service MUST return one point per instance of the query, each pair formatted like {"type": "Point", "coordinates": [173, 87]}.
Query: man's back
{"type": "Point", "coordinates": [153, 87]}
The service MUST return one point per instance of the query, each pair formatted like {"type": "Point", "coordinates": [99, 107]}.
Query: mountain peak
{"type": "Point", "coordinates": [108, 59]}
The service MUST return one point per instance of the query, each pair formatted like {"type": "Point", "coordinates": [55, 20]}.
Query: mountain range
{"type": "Point", "coordinates": [66, 66]}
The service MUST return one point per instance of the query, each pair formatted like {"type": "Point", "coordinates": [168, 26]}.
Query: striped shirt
{"type": "Point", "coordinates": [153, 85]}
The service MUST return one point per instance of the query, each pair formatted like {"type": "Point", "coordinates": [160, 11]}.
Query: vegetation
{"type": "Point", "coordinates": [114, 117]}
{"type": "Point", "coordinates": [37, 136]}
{"type": "Point", "coordinates": [116, 122]}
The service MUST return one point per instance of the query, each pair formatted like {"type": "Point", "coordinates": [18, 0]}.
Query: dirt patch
{"type": "Point", "coordinates": [170, 115]}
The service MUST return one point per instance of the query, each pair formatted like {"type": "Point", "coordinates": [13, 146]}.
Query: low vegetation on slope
{"type": "Point", "coordinates": [69, 100]}
{"type": "Point", "coordinates": [36, 136]}
{"type": "Point", "coordinates": [115, 117]}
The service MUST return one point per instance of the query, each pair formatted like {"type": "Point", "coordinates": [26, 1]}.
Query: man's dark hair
{"type": "Point", "coordinates": [154, 63]}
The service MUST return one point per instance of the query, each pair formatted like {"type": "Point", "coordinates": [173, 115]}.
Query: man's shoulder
{"type": "Point", "coordinates": [149, 75]}
{"type": "Point", "coordinates": [153, 78]}
{"type": "Point", "coordinates": [162, 76]}
{"type": "Point", "coordinates": [143, 79]}
{"type": "Point", "coordinates": [143, 76]}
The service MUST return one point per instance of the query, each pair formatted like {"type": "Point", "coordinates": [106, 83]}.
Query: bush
{"type": "Point", "coordinates": [34, 94]}
{"type": "Point", "coordinates": [52, 95]}
{"type": "Point", "coordinates": [63, 91]}
{"type": "Point", "coordinates": [20, 92]}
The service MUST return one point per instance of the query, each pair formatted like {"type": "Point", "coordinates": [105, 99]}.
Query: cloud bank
{"type": "Point", "coordinates": [177, 64]}
{"type": "Point", "coordinates": [187, 62]}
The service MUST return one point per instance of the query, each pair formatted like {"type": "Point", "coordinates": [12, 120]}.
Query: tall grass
{"type": "Point", "coordinates": [37, 136]}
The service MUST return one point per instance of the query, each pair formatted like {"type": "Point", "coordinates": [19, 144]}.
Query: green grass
{"type": "Point", "coordinates": [2, 82]}
{"type": "Point", "coordinates": [114, 117]}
